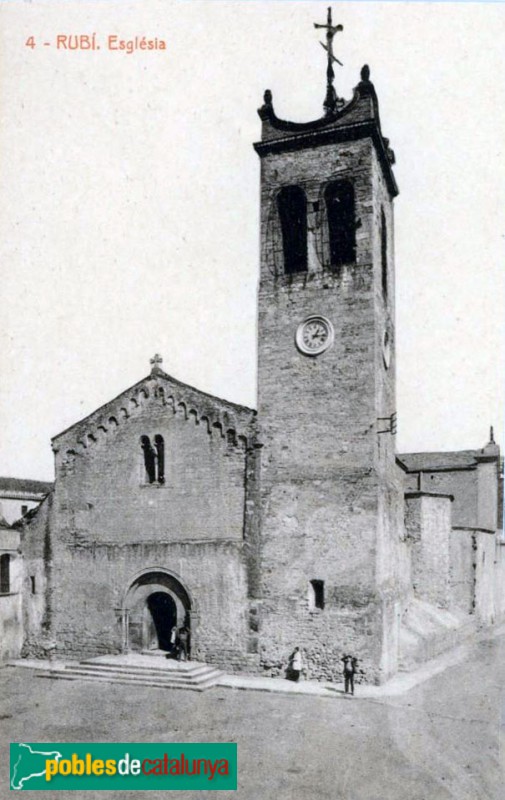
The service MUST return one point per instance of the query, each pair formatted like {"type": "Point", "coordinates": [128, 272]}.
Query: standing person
{"type": "Point", "coordinates": [173, 641]}
{"type": "Point", "coordinates": [183, 643]}
{"type": "Point", "coordinates": [350, 665]}
{"type": "Point", "coordinates": [295, 665]}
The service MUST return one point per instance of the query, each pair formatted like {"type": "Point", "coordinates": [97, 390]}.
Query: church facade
{"type": "Point", "coordinates": [296, 524]}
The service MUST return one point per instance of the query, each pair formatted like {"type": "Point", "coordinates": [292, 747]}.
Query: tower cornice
{"type": "Point", "coordinates": [357, 119]}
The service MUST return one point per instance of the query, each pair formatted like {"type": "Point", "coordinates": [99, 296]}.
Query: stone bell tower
{"type": "Point", "coordinates": [330, 493]}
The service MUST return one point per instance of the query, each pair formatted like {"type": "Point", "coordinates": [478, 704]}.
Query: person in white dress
{"type": "Point", "coordinates": [295, 664]}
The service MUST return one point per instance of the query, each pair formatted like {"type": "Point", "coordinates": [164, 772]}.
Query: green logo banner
{"type": "Point", "coordinates": [126, 765]}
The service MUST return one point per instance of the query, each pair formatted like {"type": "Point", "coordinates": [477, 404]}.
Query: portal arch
{"type": "Point", "coordinates": [154, 601]}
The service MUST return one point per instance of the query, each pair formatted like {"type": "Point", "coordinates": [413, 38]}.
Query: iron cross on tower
{"type": "Point", "coordinates": [331, 100]}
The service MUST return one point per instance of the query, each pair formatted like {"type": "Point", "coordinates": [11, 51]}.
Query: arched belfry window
{"type": "Point", "coordinates": [153, 455]}
{"type": "Point", "coordinates": [384, 253]}
{"type": "Point", "coordinates": [339, 199]}
{"type": "Point", "coordinates": [292, 208]}
{"type": "Point", "coordinates": [5, 573]}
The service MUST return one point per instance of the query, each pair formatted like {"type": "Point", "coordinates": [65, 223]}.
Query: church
{"type": "Point", "coordinates": [298, 523]}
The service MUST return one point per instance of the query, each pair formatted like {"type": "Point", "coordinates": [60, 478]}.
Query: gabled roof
{"type": "Point", "coordinates": [431, 462]}
{"type": "Point", "coordinates": [24, 486]}
{"type": "Point", "coordinates": [159, 387]}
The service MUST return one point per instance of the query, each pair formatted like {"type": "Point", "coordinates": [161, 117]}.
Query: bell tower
{"type": "Point", "coordinates": [330, 492]}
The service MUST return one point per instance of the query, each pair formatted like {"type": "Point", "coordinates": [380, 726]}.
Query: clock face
{"type": "Point", "coordinates": [314, 335]}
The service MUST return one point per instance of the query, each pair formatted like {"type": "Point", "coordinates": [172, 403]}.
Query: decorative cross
{"type": "Point", "coordinates": [331, 99]}
{"type": "Point", "coordinates": [155, 362]}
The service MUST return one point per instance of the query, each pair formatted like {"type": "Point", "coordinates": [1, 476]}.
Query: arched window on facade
{"type": "Point", "coordinates": [149, 459]}
{"type": "Point", "coordinates": [159, 444]}
{"type": "Point", "coordinates": [292, 208]}
{"type": "Point", "coordinates": [5, 573]}
{"type": "Point", "coordinates": [339, 199]}
{"type": "Point", "coordinates": [384, 254]}
{"type": "Point", "coordinates": [153, 455]}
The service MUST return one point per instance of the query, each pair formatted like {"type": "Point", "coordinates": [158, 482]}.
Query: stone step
{"type": "Point", "coordinates": [197, 676]}
{"type": "Point", "coordinates": [162, 669]}
{"type": "Point", "coordinates": [143, 660]}
{"type": "Point", "coordinates": [202, 676]}
{"type": "Point", "coordinates": [68, 675]}
{"type": "Point", "coordinates": [170, 677]}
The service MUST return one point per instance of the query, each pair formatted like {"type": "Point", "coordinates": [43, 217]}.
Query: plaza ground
{"type": "Point", "coordinates": [438, 740]}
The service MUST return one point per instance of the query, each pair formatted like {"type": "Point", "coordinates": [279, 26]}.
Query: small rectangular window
{"type": "Point", "coordinates": [316, 594]}
{"type": "Point", "coordinates": [24, 509]}
{"type": "Point", "coordinates": [32, 583]}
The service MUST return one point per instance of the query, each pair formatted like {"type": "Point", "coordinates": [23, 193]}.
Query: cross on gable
{"type": "Point", "coordinates": [156, 362]}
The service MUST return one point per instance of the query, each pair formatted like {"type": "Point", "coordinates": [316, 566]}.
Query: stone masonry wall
{"type": "Point", "coordinates": [428, 523]}
{"type": "Point", "coordinates": [92, 583]}
{"type": "Point", "coordinates": [475, 556]}
{"type": "Point", "coordinates": [102, 493]}
{"type": "Point", "coordinates": [313, 535]}
{"type": "Point", "coordinates": [11, 621]}
{"type": "Point", "coordinates": [462, 484]}
{"type": "Point", "coordinates": [331, 503]}
{"type": "Point", "coordinates": [484, 566]}
{"type": "Point", "coordinates": [392, 556]}
{"type": "Point", "coordinates": [37, 564]}
{"type": "Point", "coordinates": [499, 578]}
{"type": "Point", "coordinates": [108, 525]}
{"type": "Point", "coordinates": [462, 570]}
{"type": "Point", "coordinates": [487, 503]}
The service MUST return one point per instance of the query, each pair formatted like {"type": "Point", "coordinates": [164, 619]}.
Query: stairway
{"type": "Point", "coordinates": [142, 670]}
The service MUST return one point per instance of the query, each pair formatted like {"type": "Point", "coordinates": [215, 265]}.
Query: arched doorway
{"type": "Point", "coordinates": [154, 603]}
{"type": "Point", "coordinates": [163, 616]}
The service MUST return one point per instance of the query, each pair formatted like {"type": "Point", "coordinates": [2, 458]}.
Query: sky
{"type": "Point", "coordinates": [130, 200]}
